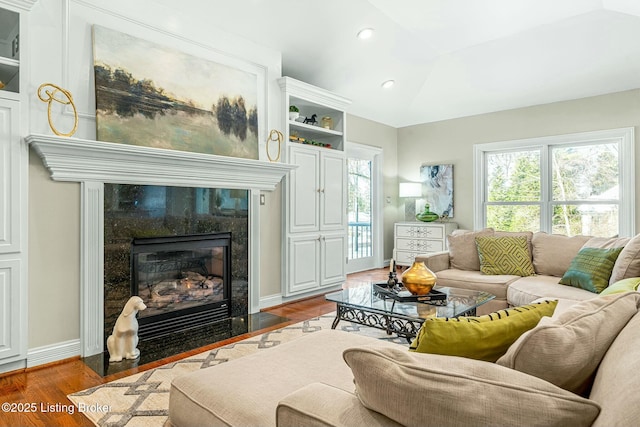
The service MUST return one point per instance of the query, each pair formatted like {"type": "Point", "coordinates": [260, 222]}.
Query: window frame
{"type": "Point", "coordinates": [625, 139]}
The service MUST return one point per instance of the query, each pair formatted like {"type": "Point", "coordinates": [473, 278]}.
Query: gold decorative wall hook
{"type": "Point", "coordinates": [67, 100]}
{"type": "Point", "coordinates": [274, 136]}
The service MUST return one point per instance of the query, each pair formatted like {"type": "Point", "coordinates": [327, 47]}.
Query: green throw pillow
{"type": "Point", "coordinates": [485, 337]}
{"type": "Point", "coordinates": [591, 269]}
{"type": "Point", "coordinates": [505, 255]}
{"type": "Point", "coordinates": [624, 285]}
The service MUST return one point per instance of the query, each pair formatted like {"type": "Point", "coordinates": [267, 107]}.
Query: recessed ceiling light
{"type": "Point", "coordinates": [388, 84]}
{"type": "Point", "coordinates": [365, 33]}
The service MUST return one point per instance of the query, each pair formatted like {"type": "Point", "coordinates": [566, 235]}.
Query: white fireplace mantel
{"type": "Point", "coordinates": [83, 160]}
{"type": "Point", "coordinates": [94, 163]}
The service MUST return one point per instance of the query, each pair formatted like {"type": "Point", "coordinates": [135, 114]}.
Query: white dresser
{"type": "Point", "coordinates": [414, 238]}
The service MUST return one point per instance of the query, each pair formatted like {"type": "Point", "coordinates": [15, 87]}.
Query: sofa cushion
{"type": "Point", "coordinates": [504, 255]}
{"type": "Point", "coordinates": [606, 242]}
{"type": "Point", "coordinates": [617, 379]}
{"type": "Point", "coordinates": [566, 351]}
{"type": "Point", "coordinates": [553, 253]}
{"type": "Point", "coordinates": [246, 391]}
{"type": "Point", "coordinates": [628, 263]}
{"type": "Point", "coordinates": [320, 404]}
{"type": "Point", "coordinates": [621, 286]}
{"type": "Point", "coordinates": [527, 289]}
{"type": "Point", "coordinates": [426, 389]}
{"type": "Point", "coordinates": [591, 269]}
{"type": "Point", "coordinates": [475, 280]}
{"type": "Point", "coordinates": [463, 252]}
{"type": "Point", "coordinates": [479, 337]}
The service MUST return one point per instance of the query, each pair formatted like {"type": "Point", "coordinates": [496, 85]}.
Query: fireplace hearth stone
{"type": "Point", "coordinates": [180, 342]}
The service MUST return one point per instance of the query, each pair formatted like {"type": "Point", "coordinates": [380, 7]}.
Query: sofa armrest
{"type": "Point", "coordinates": [323, 405]}
{"type": "Point", "coordinates": [436, 261]}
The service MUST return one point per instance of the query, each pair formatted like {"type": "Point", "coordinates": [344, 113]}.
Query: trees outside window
{"type": "Point", "coordinates": [568, 184]}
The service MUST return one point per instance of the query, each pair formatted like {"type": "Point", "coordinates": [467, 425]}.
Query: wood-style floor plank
{"type": "Point", "coordinates": [47, 387]}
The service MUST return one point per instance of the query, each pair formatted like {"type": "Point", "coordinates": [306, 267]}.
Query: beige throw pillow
{"type": "Point", "coordinates": [553, 253]}
{"type": "Point", "coordinates": [463, 253]}
{"type": "Point", "coordinates": [628, 263]}
{"type": "Point", "coordinates": [416, 389]}
{"type": "Point", "coordinates": [566, 351]}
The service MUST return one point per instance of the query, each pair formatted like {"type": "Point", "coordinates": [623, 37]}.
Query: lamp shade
{"type": "Point", "coordinates": [410, 189]}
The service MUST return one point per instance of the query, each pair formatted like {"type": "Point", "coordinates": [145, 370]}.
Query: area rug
{"type": "Point", "coordinates": [143, 399]}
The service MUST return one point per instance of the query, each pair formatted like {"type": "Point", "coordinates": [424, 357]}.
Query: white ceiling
{"type": "Point", "coordinates": [449, 58]}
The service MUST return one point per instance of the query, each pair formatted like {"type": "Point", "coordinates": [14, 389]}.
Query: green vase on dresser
{"type": "Point", "coordinates": [427, 215]}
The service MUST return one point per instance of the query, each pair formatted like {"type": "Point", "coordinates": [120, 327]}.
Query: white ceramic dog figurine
{"type": "Point", "coordinates": [123, 342]}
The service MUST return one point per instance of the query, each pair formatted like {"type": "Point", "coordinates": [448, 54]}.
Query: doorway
{"type": "Point", "coordinates": [364, 207]}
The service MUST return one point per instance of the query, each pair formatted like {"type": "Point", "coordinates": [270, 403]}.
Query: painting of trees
{"type": "Point", "coordinates": [150, 95]}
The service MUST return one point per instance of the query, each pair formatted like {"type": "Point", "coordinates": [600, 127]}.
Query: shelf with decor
{"type": "Point", "coordinates": [10, 51]}
{"type": "Point", "coordinates": [315, 117]}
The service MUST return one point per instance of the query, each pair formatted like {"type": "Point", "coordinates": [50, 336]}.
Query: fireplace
{"type": "Point", "coordinates": [93, 164]}
{"type": "Point", "coordinates": [172, 246]}
{"type": "Point", "coordinates": [185, 281]}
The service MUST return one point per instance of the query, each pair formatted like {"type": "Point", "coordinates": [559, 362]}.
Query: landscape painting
{"type": "Point", "coordinates": [437, 183]}
{"type": "Point", "coordinates": [155, 96]}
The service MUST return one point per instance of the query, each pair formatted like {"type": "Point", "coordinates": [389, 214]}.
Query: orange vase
{"type": "Point", "coordinates": [419, 280]}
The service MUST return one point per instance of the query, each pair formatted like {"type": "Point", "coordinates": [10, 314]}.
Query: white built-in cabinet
{"type": "Point", "coordinates": [13, 190]}
{"type": "Point", "coordinates": [315, 193]}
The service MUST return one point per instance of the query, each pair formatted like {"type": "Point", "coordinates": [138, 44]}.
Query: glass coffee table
{"type": "Point", "coordinates": [366, 306]}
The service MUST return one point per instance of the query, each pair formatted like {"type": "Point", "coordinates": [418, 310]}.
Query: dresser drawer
{"type": "Point", "coordinates": [405, 258]}
{"type": "Point", "coordinates": [420, 231]}
{"type": "Point", "coordinates": [420, 245]}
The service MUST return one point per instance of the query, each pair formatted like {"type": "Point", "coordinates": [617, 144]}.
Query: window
{"type": "Point", "coordinates": [568, 184]}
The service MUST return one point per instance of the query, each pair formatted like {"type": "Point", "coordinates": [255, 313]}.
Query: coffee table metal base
{"type": "Point", "coordinates": [392, 323]}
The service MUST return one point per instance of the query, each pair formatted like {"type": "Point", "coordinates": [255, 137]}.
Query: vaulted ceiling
{"type": "Point", "coordinates": [449, 58]}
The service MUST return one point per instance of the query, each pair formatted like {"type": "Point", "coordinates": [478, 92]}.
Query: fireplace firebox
{"type": "Point", "coordinates": [184, 280]}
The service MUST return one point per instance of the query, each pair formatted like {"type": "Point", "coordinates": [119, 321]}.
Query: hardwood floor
{"type": "Point", "coordinates": [40, 394]}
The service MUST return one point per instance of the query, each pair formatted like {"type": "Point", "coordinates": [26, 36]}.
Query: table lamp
{"type": "Point", "coordinates": [410, 190]}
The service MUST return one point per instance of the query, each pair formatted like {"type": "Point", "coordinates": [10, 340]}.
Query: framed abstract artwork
{"type": "Point", "coordinates": [155, 96]}
{"type": "Point", "coordinates": [437, 186]}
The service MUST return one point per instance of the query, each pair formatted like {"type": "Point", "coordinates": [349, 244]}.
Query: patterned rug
{"type": "Point", "coordinates": [143, 399]}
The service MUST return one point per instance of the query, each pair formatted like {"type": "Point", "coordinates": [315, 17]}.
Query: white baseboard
{"type": "Point", "coordinates": [270, 301]}
{"type": "Point", "coordinates": [53, 353]}
{"type": "Point", "coordinates": [13, 366]}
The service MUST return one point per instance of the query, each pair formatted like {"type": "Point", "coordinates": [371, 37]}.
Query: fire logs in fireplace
{"type": "Point", "coordinates": [185, 281]}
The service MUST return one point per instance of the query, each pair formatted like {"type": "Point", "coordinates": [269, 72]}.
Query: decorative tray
{"type": "Point", "coordinates": [434, 297]}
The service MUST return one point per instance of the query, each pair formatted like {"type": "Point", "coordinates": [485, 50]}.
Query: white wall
{"type": "Point", "coordinates": [61, 53]}
{"type": "Point", "coordinates": [451, 141]}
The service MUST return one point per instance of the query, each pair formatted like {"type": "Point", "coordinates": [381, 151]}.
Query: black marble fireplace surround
{"type": "Point", "coordinates": [143, 212]}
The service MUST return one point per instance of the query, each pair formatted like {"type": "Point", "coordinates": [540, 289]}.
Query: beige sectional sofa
{"type": "Point", "coordinates": [335, 378]}
{"type": "Point", "coordinates": [551, 257]}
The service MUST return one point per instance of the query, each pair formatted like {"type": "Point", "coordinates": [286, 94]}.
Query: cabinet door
{"type": "Point", "coordinates": [333, 259]}
{"type": "Point", "coordinates": [304, 211]}
{"type": "Point", "coordinates": [333, 191]}
{"type": "Point", "coordinates": [10, 330]}
{"type": "Point", "coordinates": [304, 264]}
{"type": "Point", "coordinates": [9, 177]}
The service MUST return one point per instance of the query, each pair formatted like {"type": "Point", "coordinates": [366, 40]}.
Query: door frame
{"type": "Point", "coordinates": [374, 154]}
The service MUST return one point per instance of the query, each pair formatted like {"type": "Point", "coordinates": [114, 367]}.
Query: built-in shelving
{"type": "Point", "coordinates": [9, 51]}
{"type": "Point", "coordinates": [315, 196]}
{"type": "Point", "coordinates": [314, 101]}
{"type": "Point", "coordinates": [313, 129]}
